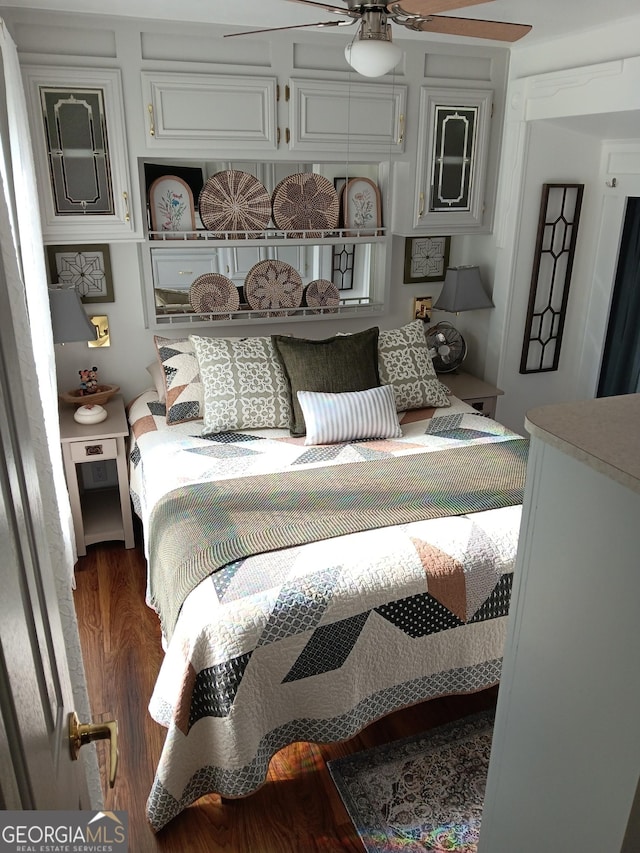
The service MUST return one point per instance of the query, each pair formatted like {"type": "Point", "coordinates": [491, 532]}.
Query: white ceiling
{"type": "Point", "coordinates": [549, 17]}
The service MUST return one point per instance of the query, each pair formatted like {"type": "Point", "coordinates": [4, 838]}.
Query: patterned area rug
{"type": "Point", "coordinates": [423, 793]}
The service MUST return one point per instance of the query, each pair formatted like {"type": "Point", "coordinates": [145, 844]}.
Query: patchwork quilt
{"type": "Point", "coordinates": [317, 640]}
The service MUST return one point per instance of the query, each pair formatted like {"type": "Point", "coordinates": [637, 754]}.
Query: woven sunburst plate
{"type": "Point", "coordinates": [273, 284]}
{"type": "Point", "coordinates": [322, 293]}
{"type": "Point", "coordinates": [211, 293]}
{"type": "Point", "coordinates": [234, 201]}
{"type": "Point", "coordinates": [305, 202]}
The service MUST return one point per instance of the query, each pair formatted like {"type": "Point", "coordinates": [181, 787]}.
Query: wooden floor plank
{"type": "Point", "coordinates": [297, 810]}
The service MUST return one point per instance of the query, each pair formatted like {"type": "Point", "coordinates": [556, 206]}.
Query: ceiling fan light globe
{"type": "Point", "coordinates": [372, 58]}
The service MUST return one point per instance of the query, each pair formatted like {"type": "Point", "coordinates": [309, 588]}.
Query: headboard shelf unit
{"type": "Point", "coordinates": [354, 255]}
{"type": "Point", "coordinates": [248, 238]}
{"type": "Point", "coordinates": [347, 307]}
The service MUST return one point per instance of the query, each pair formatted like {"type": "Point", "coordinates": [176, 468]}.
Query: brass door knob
{"type": "Point", "coordinates": [83, 733]}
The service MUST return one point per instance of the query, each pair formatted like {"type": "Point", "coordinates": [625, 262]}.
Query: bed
{"type": "Point", "coordinates": [272, 634]}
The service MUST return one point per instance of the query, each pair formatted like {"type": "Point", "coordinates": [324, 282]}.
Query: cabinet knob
{"type": "Point", "coordinates": [401, 134]}
{"type": "Point", "coordinates": [421, 210]}
{"type": "Point", "coordinates": [127, 215]}
{"type": "Point", "coordinates": [152, 125]}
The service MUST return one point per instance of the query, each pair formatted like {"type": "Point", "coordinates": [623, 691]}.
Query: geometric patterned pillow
{"type": "Point", "coordinates": [244, 384]}
{"type": "Point", "coordinates": [405, 363]}
{"type": "Point", "coordinates": [183, 387]}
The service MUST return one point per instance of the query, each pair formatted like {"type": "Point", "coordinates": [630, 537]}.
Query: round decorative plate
{"type": "Point", "coordinates": [213, 292]}
{"type": "Point", "coordinates": [234, 201]}
{"type": "Point", "coordinates": [273, 284]}
{"type": "Point", "coordinates": [305, 202]}
{"type": "Point", "coordinates": [322, 293]}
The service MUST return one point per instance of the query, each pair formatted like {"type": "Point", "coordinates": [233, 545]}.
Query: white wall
{"type": "Point", "coordinates": [555, 155]}
{"type": "Point", "coordinates": [558, 124]}
{"type": "Point", "coordinates": [615, 40]}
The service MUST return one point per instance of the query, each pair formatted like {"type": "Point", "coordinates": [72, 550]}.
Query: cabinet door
{"type": "Point", "coordinates": [334, 115]}
{"type": "Point", "coordinates": [195, 110]}
{"type": "Point", "coordinates": [453, 136]}
{"type": "Point", "coordinates": [79, 142]}
{"type": "Point", "coordinates": [177, 270]}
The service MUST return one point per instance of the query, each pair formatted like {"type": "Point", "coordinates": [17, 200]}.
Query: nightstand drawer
{"type": "Point", "coordinates": [92, 449]}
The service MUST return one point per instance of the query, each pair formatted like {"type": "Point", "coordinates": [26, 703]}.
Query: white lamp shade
{"type": "Point", "coordinates": [462, 291]}
{"type": "Point", "coordinates": [69, 321]}
{"type": "Point", "coordinates": [372, 57]}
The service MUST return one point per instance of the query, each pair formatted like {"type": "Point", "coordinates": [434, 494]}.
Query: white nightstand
{"type": "Point", "coordinates": [99, 514]}
{"type": "Point", "coordinates": [476, 392]}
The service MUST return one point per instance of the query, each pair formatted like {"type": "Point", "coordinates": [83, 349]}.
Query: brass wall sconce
{"type": "Point", "coordinates": [101, 323]}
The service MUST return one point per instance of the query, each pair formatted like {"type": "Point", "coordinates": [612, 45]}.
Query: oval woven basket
{"type": "Point", "coordinates": [322, 293]}
{"type": "Point", "coordinates": [273, 284]}
{"type": "Point", "coordinates": [212, 293]}
{"type": "Point", "coordinates": [305, 202]}
{"type": "Point", "coordinates": [234, 201]}
{"type": "Point", "coordinates": [99, 397]}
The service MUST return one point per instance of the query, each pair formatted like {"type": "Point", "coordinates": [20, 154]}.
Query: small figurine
{"type": "Point", "coordinates": [88, 381]}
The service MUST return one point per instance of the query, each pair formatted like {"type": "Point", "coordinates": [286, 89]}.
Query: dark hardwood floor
{"type": "Point", "coordinates": [298, 810]}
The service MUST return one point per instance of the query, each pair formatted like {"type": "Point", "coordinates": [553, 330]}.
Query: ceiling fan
{"type": "Point", "coordinates": [372, 52]}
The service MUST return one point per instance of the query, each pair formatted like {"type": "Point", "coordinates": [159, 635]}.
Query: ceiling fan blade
{"type": "Point", "coordinates": [431, 7]}
{"type": "Point", "coordinates": [471, 28]}
{"type": "Point", "coordinates": [292, 27]}
{"type": "Point", "coordinates": [336, 9]}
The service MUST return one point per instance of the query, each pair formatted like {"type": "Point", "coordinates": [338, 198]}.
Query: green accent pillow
{"type": "Point", "coordinates": [338, 364]}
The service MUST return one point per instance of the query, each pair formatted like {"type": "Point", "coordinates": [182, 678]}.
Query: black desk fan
{"type": "Point", "coordinates": [462, 291]}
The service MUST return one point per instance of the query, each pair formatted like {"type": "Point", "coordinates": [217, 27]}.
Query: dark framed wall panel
{"type": "Point", "coordinates": [552, 266]}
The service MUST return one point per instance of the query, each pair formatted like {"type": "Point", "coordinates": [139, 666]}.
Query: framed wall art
{"type": "Point", "coordinates": [191, 175]}
{"type": "Point", "coordinates": [361, 207]}
{"type": "Point", "coordinates": [171, 207]}
{"type": "Point", "coordinates": [85, 267]}
{"type": "Point", "coordinates": [558, 222]}
{"type": "Point", "coordinates": [426, 259]}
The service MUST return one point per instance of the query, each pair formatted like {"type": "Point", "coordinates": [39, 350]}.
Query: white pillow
{"type": "Point", "coordinates": [155, 372]}
{"type": "Point", "coordinates": [349, 416]}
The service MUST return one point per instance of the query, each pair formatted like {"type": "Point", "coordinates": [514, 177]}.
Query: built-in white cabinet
{"type": "Point", "coordinates": [263, 114]}
{"type": "Point", "coordinates": [80, 150]}
{"type": "Point", "coordinates": [566, 752]}
{"type": "Point", "coordinates": [337, 116]}
{"type": "Point", "coordinates": [446, 193]}
{"type": "Point", "coordinates": [193, 111]}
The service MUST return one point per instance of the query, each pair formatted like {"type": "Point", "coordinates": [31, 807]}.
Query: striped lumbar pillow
{"type": "Point", "coordinates": [348, 416]}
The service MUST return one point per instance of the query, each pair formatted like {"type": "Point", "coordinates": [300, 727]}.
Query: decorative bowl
{"type": "Point", "coordinates": [99, 397]}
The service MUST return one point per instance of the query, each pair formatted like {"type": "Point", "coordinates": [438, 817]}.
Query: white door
{"type": "Point", "coordinates": [36, 770]}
